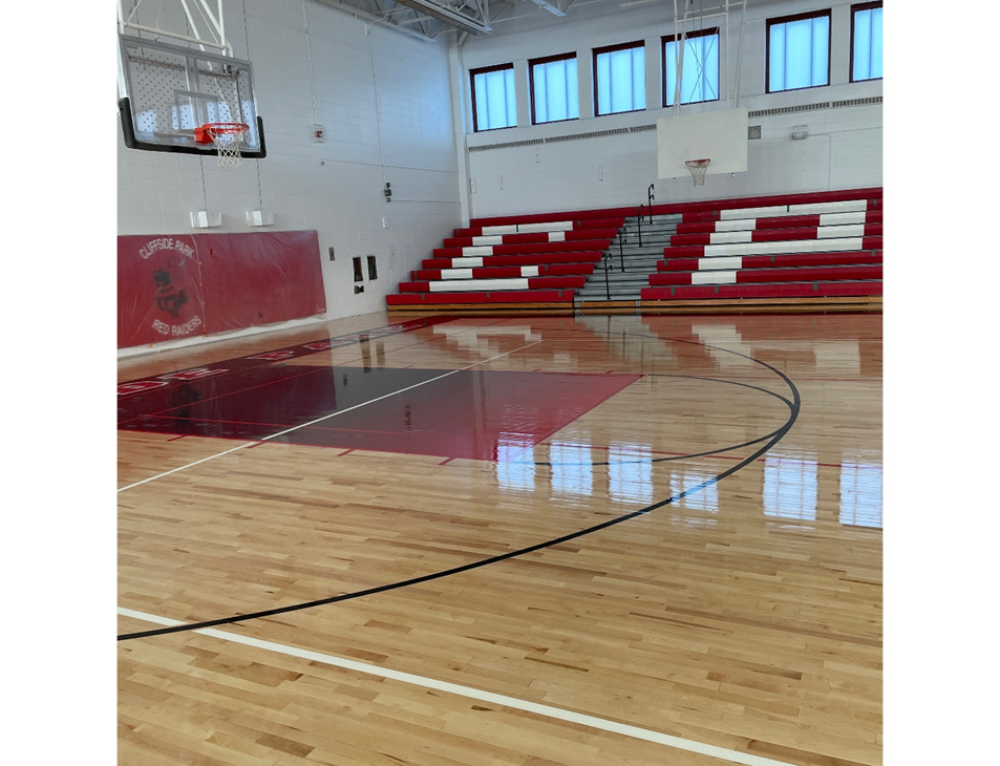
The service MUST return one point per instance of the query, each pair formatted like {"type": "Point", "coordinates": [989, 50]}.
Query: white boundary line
{"type": "Point", "coordinates": [635, 732]}
{"type": "Point", "coordinates": [325, 417]}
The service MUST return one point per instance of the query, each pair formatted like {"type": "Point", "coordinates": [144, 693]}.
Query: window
{"type": "Point", "coordinates": [493, 102]}
{"type": "Point", "coordinates": [798, 51]}
{"type": "Point", "coordinates": [866, 42]}
{"type": "Point", "coordinates": [620, 78]}
{"type": "Point", "coordinates": [372, 268]}
{"type": "Point", "coordinates": [554, 93]}
{"type": "Point", "coordinates": [699, 69]}
{"type": "Point", "coordinates": [358, 276]}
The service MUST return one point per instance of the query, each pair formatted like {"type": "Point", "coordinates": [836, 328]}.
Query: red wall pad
{"type": "Point", "coordinates": [182, 286]}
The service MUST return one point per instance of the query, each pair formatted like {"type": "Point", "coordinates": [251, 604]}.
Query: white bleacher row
{"type": "Point", "coordinates": [524, 228]}
{"type": "Point", "coordinates": [825, 219]}
{"type": "Point", "coordinates": [526, 271]}
{"type": "Point", "coordinates": [497, 239]}
{"type": "Point", "coordinates": [822, 232]}
{"type": "Point", "coordinates": [783, 247]}
{"type": "Point", "coordinates": [477, 285]}
{"type": "Point", "coordinates": [847, 206]}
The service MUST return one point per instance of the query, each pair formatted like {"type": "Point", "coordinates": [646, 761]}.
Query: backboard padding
{"type": "Point", "coordinates": [719, 135]}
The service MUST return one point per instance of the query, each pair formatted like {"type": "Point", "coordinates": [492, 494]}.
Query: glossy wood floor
{"type": "Point", "coordinates": [743, 618]}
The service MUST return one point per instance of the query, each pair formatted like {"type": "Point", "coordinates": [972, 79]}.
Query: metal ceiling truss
{"type": "Point", "coordinates": [430, 18]}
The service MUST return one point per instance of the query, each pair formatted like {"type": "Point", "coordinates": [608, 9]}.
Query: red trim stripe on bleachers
{"type": "Point", "coordinates": [745, 276]}
{"type": "Point", "coordinates": [767, 261]}
{"type": "Point", "coordinates": [786, 290]}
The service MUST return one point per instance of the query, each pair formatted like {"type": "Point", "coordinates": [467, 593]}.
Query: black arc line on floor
{"type": "Point", "coordinates": [794, 406]}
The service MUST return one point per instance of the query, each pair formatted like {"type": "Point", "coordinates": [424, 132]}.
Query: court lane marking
{"type": "Point", "coordinates": [616, 727]}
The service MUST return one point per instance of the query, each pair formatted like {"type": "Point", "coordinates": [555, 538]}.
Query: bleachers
{"type": "Point", "coordinates": [800, 249]}
{"type": "Point", "coordinates": [725, 253]}
{"type": "Point", "coordinates": [540, 262]}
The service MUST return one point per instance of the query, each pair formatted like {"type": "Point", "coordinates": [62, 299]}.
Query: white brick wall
{"type": "Point", "coordinates": [336, 186]}
{"type": "Point", "coordinates": [844, 149]}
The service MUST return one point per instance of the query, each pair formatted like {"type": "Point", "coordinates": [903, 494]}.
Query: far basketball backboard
{"type": "Point", "coordinates": [720, 136]}
{"type": "Point", "coordinates": [167, 91]}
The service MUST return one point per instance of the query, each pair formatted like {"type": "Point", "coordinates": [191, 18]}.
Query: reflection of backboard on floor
{"type": "Point", "coordinates": [720, 136]}
{"type": "Point", "coordinates": [168, 91]}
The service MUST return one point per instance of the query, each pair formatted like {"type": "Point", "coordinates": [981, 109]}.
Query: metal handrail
{"type": "Point", "coordinates": [649, 198]}
{"type": "Point", "coordinates": [639, 221]}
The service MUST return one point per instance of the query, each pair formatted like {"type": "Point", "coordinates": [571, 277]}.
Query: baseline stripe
{"type": "Point", "coordinates": [627, 730]}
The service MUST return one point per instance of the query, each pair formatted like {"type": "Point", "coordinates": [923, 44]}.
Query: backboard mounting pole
{"type": "Point", "coordinates": [216, 24]}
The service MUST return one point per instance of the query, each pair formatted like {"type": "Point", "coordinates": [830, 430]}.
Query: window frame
{"type": "Point", "coordinates": [472, 90]}
{"type": "Point", "coordinates": [532, 63]}
{"type": "Point", "coordinates": [828, 13]}
{"type": "Point", "coordinates": [612, 49]}
{"type": "Point", "coordinates": [854, 9]}
{"type": "Point", "coordinates": [663, 61]}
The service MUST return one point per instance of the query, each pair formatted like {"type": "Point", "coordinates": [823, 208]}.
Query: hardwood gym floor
{"type": "Point", "coordinates": [518, 541]}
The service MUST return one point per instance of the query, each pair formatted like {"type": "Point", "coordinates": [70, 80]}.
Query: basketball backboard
{"type": "Point", "coordinates": [719, 135]}
{"type": "Point", "coordinates": [167, 91]}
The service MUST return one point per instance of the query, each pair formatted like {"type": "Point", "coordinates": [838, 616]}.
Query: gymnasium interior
{"type": "Point", "coordinates": [503, 383]}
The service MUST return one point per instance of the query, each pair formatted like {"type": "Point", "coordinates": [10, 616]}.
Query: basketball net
{"type": "Point", "coordinates": [227, 138]}
{"type": "Point", "coordinates": [698, 168]}
{"type": "Point", "coordinates": [229, 147]}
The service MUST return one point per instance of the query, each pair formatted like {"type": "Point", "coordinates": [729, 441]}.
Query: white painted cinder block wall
{"type": "Point", "coordinates": [314, 64]}
{"type": "Point", "coordinates": [844, 149]}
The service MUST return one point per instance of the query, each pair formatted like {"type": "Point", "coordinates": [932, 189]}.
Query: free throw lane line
{"type": "Point", "coordinates": [624, 729]}
{"type": "Point", "coordinates": [325, 417]}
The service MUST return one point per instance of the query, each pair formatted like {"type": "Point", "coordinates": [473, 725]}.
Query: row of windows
{"type": "Point", "coordinates": [798, 56]}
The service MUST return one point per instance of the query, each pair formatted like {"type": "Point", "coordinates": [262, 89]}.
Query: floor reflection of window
{"type": "Point", "coordinates": [572, 471]}
{"type": "Point", "coordinates": [790, 488]}
{"type": "Point", "coordinates": [630, 474]}
{"type": "Point", "coordinates": [704, 499]}
{"type": "Point", "coordinates": [861, 495]}
{"type": "Point", "coordinates": [515, 462]}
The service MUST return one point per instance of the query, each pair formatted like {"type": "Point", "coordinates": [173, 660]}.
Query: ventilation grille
{"type": "Point", "coordinates": [818, 105]}
{"type": "Point", "coordinates": [508, 145]}
{"type": "Point", "coordinates": [790, 109]}
{"type": "Point", "coordinates": [753, 131]}
{"type": "Point", "coordinates": [858, 102]}
{"type": "Point", "coordinates": [566, 137]}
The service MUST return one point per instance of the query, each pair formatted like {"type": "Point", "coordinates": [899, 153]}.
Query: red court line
{"type": "Point", "coordinates": [445, 462]}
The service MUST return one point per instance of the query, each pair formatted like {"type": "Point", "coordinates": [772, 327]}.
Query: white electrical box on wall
{"type": "Point", "coordinates": [259, 218]}
{"type": "Point", "coordinates": [202, 219]}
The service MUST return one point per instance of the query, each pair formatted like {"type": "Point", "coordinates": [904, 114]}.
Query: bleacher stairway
{"type": "Point", "coordinates": [624, 271]}
{"type": "Point", "coordinates": [801, 252]}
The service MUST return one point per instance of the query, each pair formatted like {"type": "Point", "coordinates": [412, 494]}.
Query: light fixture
{"type": "Point", "coordinates": [447, 15]}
